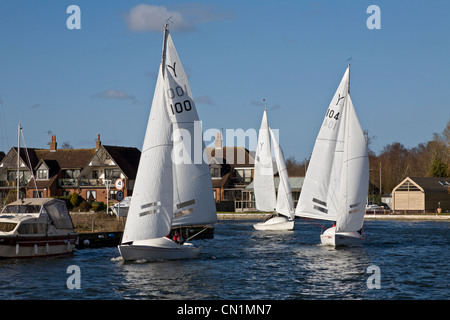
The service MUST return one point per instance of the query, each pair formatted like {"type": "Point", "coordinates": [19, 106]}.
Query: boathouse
{"type": "Point", "coordinates": [422, 194]}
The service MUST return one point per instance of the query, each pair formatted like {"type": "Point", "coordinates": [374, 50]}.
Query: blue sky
{"type": "Point", "coordinates": [100, 79]}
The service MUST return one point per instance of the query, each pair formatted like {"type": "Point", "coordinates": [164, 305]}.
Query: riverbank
{"type": "Point", "coordinates": [100, 222]}
{"type": "Point", "coordinates": [259, 216]}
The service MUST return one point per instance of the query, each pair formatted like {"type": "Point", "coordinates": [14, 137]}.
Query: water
{"type": "Point", "coordinates": [242, 263]}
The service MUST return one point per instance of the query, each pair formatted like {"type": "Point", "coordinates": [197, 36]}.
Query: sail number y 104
{"type": "Point", "coordinates": [331, 119]}
{"type": "Point", "coordinates": [179, 107]}
{"type": "Point", "coordinates": [330, 114]}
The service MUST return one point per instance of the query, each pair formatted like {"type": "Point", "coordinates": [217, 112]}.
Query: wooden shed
{"type": "Point", "coordinates": [422, 194]}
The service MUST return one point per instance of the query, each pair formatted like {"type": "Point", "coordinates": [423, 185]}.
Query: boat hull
{"type": "Point", "coordinates": [332, 238]}
{"type": "Point", "coordinates": [31, 247]}
{"type": "Point", "coordinates": [276, 224]}
{"type": "Point", "coordinates": [159, 249]}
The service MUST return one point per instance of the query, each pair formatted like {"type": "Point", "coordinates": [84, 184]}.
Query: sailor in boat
{"type": "Point", "coordinates": [177, 237]}
{"type": "Point", "coordinates": [269, 217]}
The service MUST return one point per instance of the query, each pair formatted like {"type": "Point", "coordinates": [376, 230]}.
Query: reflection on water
{"type": "Point", "coordinates": [243, 263]}
{"type": "Point", "coordinates": [160, 280]}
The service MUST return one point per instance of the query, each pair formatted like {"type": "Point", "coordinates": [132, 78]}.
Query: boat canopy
{"type": "Point", "coordinates": [55, 208]}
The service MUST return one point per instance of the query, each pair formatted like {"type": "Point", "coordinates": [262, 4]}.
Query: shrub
{"type": "Point", "coordinates": [75, 199]}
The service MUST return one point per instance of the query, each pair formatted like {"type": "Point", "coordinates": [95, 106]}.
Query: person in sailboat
{"type": "Point", "coordinates": [269, 217]}
{"type": "Point", "coordinates": [177, 237]}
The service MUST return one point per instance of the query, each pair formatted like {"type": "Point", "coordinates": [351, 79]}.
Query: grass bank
{"type": "Point", "coordinates": [96, 222]}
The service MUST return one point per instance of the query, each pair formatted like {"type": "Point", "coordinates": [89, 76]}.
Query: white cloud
{"type": "Point", "coordinates": [145, 17]}
{"type": "Point", "coordinates": [183, 17]}
{"type": "Point", "coordinates": [204, 100]}
{"type": "Point", "coordinates": [114, 94]}
{"type": "Point", "coordinates": [35, 106]}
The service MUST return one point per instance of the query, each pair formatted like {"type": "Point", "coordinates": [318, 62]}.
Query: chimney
{"type": "Point", "coordinates": [99, 143]}
{"type": "Point", "coordinates": [53, 144]}
{"type": "Point", "coordinates": [219, 140]}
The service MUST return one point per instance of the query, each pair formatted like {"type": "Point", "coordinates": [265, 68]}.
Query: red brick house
{"type": "Point", "coordinates": [58, 172]}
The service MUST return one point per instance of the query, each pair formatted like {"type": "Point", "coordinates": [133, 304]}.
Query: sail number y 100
{"type": "Point", "coordinates": [186, 106]}
{"type": "Point", "coordinates": [179, 107]}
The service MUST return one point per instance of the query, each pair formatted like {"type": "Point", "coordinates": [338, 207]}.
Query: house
{"type": "Point", "coordinates": [422, 194]}
{"type": "Point", "coordinates": [231, 172]}
{"type": "Point", "coordinates": [108, 164]}
{"type": "Point", "coordinates": [57, 172]}
{"type": "Point", "coordinates": [296, 184]}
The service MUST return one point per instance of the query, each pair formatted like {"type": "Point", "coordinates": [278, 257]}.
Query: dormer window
{"type": "Point", "coordinates": [42, 174]}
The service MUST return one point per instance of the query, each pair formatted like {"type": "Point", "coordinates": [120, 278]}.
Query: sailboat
{"type": "Point", "coordinates": [168, 185]}
{"type": "Point", "coordinates": [336, 183]}
{"type": "Point", "coordinates": [266, 198]}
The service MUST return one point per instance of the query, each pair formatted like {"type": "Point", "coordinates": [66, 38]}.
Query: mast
{"type": "Point", "coordinates": [18, 161]}
{"type": "Point", "coordinates": [163, 58]}
{"type": "Point", "coordinates": [348, 87]}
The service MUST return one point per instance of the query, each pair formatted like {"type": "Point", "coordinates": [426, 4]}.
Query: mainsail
{"type": "Point", "coordinates": [193, 201]}
{"type": "Point", "coordinates": [263, 182]}
{"type": "Point", "coordinates": [319, 197]}
{"type": "Point", "coordinates": [167, 185]}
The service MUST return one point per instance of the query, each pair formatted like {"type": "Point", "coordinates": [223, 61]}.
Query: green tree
{"type": "Point", "coordinates": [75, 199]}
{"type": "Point", "coordinates": [438, 168]}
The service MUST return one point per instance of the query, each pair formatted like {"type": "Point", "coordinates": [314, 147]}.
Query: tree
{"type": "Point", "coordinates": [439, 168]}
{"type": "Point", "coordinates": [295, 168]}
{"type": "Point", "coordinates": [75, 199]}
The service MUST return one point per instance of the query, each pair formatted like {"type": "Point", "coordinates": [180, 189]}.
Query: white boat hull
{"type": "Point", "coordinates": [158, 249]}
{"type": "Point", "coordinates": [32, 246]}
{"type": "Point", "coordinates": [332, 238]}
{"type": "Point", "coordinates": [276, 224]}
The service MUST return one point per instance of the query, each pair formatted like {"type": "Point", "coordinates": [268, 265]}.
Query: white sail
{"type": "Point", "coordinates": [164, 186]}
{"type": "Point", "coordinates": [263, 182]}
{"type": "Point", "coordinates": [319, 197]}
{"type": "Point", "coordinates": [285, 205]}
{"type": "Point", "coordinates": [355, 174]}
{"type": "Point", "coordinates": [193, 199]}
{"type": "Point", "coordinates": [150, 212]}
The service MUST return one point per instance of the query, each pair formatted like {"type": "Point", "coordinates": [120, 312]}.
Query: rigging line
{"type": "Point", "coordinates": [309, 220]}
{"type": "Point", "coordinates": [196, 234]}
{"type": "Point", "coordinates": [29, 163]}
{"type": "Point", "coordinates": [159, 145]}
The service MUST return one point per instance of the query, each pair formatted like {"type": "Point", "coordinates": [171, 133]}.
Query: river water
{"type": "Point", "coordinates": [399, 260]}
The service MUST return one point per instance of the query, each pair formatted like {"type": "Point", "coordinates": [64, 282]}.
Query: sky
{"type": "Point", "coordinates": [100, 79]}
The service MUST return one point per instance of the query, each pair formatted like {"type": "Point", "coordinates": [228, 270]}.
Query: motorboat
{"type": "Point", "coordinates": [36, 227]}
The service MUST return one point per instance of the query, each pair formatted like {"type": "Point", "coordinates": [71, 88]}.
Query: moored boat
{"type": "Point", "coordinates": [36, 228]}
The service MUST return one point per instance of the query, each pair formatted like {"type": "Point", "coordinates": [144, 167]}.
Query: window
{"type": "Point", "coordinates": [91, 195]}
{"type": "Point", "coordinates": [113, 194]}
{"type": "Point", "coordinates": [32, 228]}
{"type": "Point", "coordinates": [112, 174]}
{"type": "Point", "coordinates": [38, 194]}
{"type": "Point", "coordinates": [7, 226]}
{"type": "Point", "coordinates": [244, 175]}
{"type": "Point", "coordinates": [42, 174]}
{"type": "Point", "coordinates": [25, 177]}
{"type": "Point", "coordinates": [22, 209]}
{"type": "Point", "coordinates": [408, 186]}
{"type": "Point", "coordinates": [215, 172]}
{"type": "Point", "coordinates": [94, 174]}
{"type": "Point", "coordinates": [72, 174]}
